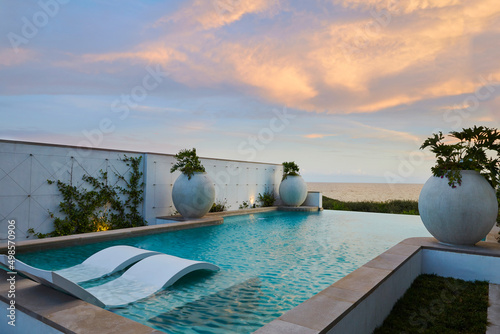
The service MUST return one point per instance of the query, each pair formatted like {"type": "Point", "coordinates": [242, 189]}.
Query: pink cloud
{"type": "Point", "coordinates": [318, 135]}
{"type": "Point", "coordinates": [217, 13]}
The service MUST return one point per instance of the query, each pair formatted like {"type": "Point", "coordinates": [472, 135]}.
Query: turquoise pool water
{"type": "Point", "coordinates": [270, 263]}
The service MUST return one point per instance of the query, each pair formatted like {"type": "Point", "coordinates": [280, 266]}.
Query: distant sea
{"type": "Point", "coordinates": [355, 192]}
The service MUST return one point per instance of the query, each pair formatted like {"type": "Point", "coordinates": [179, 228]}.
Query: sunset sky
{"type": "Point", "coordinates": [348, 89]}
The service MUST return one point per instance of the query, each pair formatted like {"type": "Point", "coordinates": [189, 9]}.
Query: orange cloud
{"type": "Point", "coordinates": [400, 6]}
{"type": "Point", "coordinates": [318, 135]}
{"type": "Point", "coordinates": [153, 55]}
{"type": "Point", "coordinates": [276, 76]}
{"type": "Point", "coordinates": [216, 13]}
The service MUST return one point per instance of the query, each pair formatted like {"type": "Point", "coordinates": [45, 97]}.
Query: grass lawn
{"type": "Point", "coordinates": [439, 305]}
{"type": "Point", "coordinates": [394, 206]}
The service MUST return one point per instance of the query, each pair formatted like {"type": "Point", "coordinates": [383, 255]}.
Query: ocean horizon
{"type": "Point", "coordinates": [355, 192]}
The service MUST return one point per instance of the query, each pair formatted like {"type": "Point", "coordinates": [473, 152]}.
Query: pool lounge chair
{"type": "Point", "coordinates": [105, 262]}
{"type": "Point", "coordinates": [139, 281]}
{"type": "Point", "coordinates": [145, 278]}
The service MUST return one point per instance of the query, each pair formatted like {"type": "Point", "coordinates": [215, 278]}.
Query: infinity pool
{"type": "Point", "coordinates": [270, 263]}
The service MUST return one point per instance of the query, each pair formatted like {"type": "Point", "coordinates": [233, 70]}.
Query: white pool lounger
{"type": "Point", "coordinates": [105, 262]}
{"type": "Point", "coordinates": [144, 278]}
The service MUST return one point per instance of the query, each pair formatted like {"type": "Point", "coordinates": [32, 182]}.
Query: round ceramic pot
{"type": "Point", "coordinates": [193, 197]}
{"type": "Point", "coordinates": [293, 190]}
{"type": "Point", "coordinates": [459, 216]}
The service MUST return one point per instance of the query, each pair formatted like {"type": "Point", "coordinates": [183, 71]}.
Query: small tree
{"type": "Point", "coordinates": [290, 168]}
{"type": "Point", "coordinates": [267, 198]}
{"type": "Point", "coordinates": [477, 148]}
{"type": "Point", "coordinates": [188, 163]}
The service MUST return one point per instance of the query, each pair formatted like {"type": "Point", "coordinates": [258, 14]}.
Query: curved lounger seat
{"type": "Point", "coordinates": [145, 278]}
{"type": "Point", "coordinates": [139, 281]}
{"type": "Point", "coordinates": [52, 279]}
{"type": "Point", "coordinates": [105, 262]}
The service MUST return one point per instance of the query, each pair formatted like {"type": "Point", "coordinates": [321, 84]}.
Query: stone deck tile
{"type": "Point", "coordinates": [388, 261]}
{"type": "Point", "coordinates": [340, 294]}
{"type": "Point", "coordinates": [363, 279]}
{"type": "Point", "coordinates": [403, 249]}
{"type": "Point", "coordinates": [318, 312]}
{"type": "Point", "coordinates": [282, 327]}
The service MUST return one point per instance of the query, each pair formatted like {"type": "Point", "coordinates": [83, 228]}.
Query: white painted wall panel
{"type": "Point", "coordinates": [460, 265]}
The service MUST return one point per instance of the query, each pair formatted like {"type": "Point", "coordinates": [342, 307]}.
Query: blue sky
{"type": "Point", "coordinates": [348, 89]}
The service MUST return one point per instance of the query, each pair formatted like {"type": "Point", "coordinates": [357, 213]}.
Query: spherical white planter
{"type": "Point", "coordinates": [193, 197]}
{"type": "Point", "coordinates": [460, 216]}
{"type": "Point", "coordinates": [293, 190]}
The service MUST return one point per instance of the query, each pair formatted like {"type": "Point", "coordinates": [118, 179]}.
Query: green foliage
{"type": "Point", "coordinates": [266, 199]}
{"type": "Point", "coordinates": [478, 149]}
{"type": "Point", "coordinates": [290, 168]}
{"type": "Point", "coordinates": [188, 163]}
{"type": "Point", "coordinates": [405, 207]}
{"type": "Point", "coordinates": [247, 205]}
{"type": "Point", "coordinates": [220, 206]}
{"type": "Point", "coordinates": [441, 305]}
{"type": "Point", "coordinates": [103, 207]}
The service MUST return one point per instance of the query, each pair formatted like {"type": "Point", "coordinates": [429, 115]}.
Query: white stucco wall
{"type": "Point", "coordinates": [234, 182]}
{"type": "Point", "coordinates": [468, 267]}
{"type": "Point", "coordinates": [27, 198]}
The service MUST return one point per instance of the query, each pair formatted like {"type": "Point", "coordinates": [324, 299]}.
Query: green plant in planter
{"type": "Point", "coordinates": [478, 149]}
{"type": "Point", "coordinates": [188, 163]}
{"type": "Point", "coordinates": [290, 168]}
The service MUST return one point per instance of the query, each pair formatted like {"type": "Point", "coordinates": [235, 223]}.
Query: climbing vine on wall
{"type": "Point", "coordinates": [104, 207]}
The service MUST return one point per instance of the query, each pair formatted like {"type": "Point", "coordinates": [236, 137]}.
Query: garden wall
{"type": "Point", "coordinates": [27, 198]}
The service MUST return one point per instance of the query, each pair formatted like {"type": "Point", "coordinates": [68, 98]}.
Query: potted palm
{"type": "Point", "coordinates": [293, 189]}
{"type": "Point", "coordinates": [193, 193]}
{"type": "Point", "coordinates": [458, 204]}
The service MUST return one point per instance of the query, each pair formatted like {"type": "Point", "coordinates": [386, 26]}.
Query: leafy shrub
{"type": "Point", "coordinates": [290, 168]}
{"type": "Point", "coordinates": [478, 149]}
{"type": "Point", "coordinates": [104, 207]}
{"type": "Point", "coordinates": [267, 198]}
{"type": "Point", "coordinates": [244, 205]}
{"type": "Point", "coordinates": [394, 206]}
{"type": "Point", "coordinates": [219, 206]}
